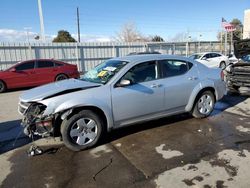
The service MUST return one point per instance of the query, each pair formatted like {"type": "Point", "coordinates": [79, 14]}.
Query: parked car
{"type": "Point", "coordinates": [211, 59]}
{"type": "Point", "coordinates": [36, 72]}
{"type": "Point", "coordinates": [120, 92]}
{"type": "Point", "coordinates": [246, 58]}
{"type": "Point", "coordinates": [144, 53]}
{"type": "Point", "coordinates": [232, 59]}
{"type": "Point", "coordinates": [238, 74]}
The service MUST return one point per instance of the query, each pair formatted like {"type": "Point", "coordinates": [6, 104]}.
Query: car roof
{"type": "Point", "coordinates": [150, 57]}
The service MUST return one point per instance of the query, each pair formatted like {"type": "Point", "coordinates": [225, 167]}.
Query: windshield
{"type": "Point", "coordinates": [104, 72]}
{"type": "Point", "coordinates": [246, 58]}
{"type": "Point", "coordinates": [195, 56]}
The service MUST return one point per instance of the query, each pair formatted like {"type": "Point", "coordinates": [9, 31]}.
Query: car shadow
{"type": "Point", "coordinates": [135, 128]}
{"type": "Point", "coordinates": [11, 136]}
{"type": "Point", "coordinates": [229, 101]}
{"type": "Point", "coordinates": [17, 89]}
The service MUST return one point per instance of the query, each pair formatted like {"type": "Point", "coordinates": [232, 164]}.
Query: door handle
{"type": "Point", "coordinates": [155, 85]}
{"type": "Point", "coordinates": [192, 78]}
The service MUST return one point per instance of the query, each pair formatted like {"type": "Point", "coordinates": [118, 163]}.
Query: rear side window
{"type": "Point", "coordinates": [58, 64]}
{"type": "Point", "coordinates": [215, 55]}
{"type": "Point", "coordinates": [174, 67]}
{"type": "Point", "coordinates": [45, 64]}
{"type": "Point", "coordinates": [26, 66]}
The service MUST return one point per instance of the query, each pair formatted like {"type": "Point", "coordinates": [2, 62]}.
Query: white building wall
{"type": "Point", "coordinates": [246, 28]}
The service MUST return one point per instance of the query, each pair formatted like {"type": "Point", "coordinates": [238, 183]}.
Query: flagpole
{"type": "Point", "coordinates": [221, 41]}
{"type": "Point", "coordinates": [225, 43]}
{"type": "Point", "coordinates": [231, 44]}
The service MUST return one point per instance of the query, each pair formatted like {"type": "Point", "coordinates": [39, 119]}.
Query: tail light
{"type": "Point", "coordinates": [222, 75]}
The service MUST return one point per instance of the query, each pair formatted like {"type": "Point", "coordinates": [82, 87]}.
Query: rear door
{"type": "Point", "coordinates": [178, 81]}
{"type": "Point", "coordinates": [45, 71]}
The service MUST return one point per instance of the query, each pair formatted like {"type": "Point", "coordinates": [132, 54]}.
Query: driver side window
{"type": "Point", "coordinates": [25, 66]}
{"type": "Point", "coordinates": [142, 73]}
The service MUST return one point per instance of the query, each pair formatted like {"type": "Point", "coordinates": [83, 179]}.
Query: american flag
{"type": "Point", "coordinates": [227, 26]}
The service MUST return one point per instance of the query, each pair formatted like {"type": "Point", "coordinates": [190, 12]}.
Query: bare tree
{"type": "Point", "coordinates": [179, 37]}
{"type": "Point", "coordinates": [129, 33]}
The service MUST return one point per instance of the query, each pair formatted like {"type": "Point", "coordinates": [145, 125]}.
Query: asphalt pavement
{"type": "Point", "coordinates": [177, 151]}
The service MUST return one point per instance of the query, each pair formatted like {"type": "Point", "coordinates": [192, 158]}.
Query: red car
{"type": "Point", "coordinates": [36, 72]}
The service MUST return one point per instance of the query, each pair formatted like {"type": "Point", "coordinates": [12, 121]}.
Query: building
{"type": "Point", "coordinates": [246, 27]}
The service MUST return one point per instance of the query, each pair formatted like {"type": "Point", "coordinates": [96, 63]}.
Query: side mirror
{"type": "Point", "coordinates": [123, 83]}
{"type": "Point", "coordinates": [204, 58]}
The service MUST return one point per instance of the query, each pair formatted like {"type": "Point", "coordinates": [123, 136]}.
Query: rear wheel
{"type": "Point", "coordinates": [204, 105]}
{"type": "Point", "coordinates": [2, 86]}
{"type": "Point", "coordinates": [82, 130]}
{"type": "Point", "coordinates": [61, 77]}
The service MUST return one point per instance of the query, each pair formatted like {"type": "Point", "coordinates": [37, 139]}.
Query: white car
{"type": "Point", "coordinates": [211, 59]}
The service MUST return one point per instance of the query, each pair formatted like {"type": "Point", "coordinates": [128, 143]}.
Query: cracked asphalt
{"type": "Point", "coordinates": [177, 151]}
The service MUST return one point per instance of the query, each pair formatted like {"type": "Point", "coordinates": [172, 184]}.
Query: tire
{"type": "Point", "coordinates": [82, 130]}
{"type": "Point", "coordinates": [2, 86]}
{"type": "Point", "coordinates": [61, 77]}
{"type": "Point", "coordinates": [222, 65]}
{"type": "Point", "coordinates": [204, 105]}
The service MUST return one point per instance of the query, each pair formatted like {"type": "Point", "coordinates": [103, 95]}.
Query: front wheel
{"type": "Point", "coordinates": [204, 105]}
{"type": "Point", "coordinates": [2, 87]}
{"type": "Point", "coordinates": [82, 130]}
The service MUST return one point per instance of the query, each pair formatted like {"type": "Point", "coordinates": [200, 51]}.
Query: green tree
{"type": "Point", "coordinates": [238, 25]}
{"type": "Point", "coordinates": [63, 36]}
{"type": "Point", "coordinates": [157, 38]}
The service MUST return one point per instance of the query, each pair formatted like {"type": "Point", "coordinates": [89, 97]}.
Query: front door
{"type": "Point", "coordinates": [23, 75]}
{"type": "Point", "coordinates": [140, 100]}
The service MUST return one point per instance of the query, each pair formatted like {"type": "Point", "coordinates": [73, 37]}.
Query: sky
{"type": "Point", "coordinates": [101, 20]}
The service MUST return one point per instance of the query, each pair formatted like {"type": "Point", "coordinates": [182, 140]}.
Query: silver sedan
{"type": "Point", "coordinates": [120, 92]}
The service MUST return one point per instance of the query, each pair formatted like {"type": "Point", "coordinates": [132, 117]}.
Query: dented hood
{"type": "Point", "coordinates": [242, 48]}
{"type": "Point", "coordinates": [56, 89]}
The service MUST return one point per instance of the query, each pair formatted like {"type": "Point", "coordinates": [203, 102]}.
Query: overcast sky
{"type": "Point", "coordinates": [100, 20]}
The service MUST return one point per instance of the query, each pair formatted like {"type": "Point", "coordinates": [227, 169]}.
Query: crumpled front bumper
{"type": "Point", "coordinates": [239, 75]}
{"type": "Point", "coordinates": [33, 120]}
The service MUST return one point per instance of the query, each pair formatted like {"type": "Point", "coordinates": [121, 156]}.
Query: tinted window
{"type": "Point", "coordinates": [195, 56]}
{"type": "Point", "coordinates": [207, 56]}
{"type": "Point", "coordinates": [58, 64]}
{"type": "Point", "coordinates": [174, 67]}
{"type": "Point", "coordinates": [142, 73]}
{"type": "Point", "coordinates": [215, 55]}
{"type": "Point", "coordinates": [25, 66]}
{"type": "Point", "coordinates": [45, 64]}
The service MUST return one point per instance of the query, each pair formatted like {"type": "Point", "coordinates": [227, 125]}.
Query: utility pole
{"type": "Point", "coordinates": [41, 20]}
{"type": "Point", "coordinates": [78, 24]}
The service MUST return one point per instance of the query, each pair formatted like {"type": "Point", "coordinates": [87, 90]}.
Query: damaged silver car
{"type": "Point", "coordinates": [117, 93]}
{"type": "Point", "coordinates": [238, 74]}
